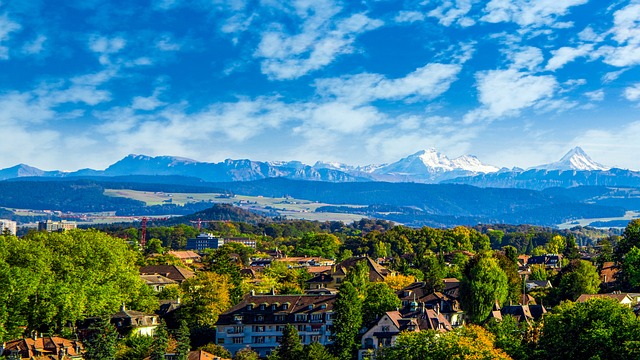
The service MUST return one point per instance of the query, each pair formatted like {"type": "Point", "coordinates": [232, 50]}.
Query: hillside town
{"type": "Point", "coordinates": [229, 294]}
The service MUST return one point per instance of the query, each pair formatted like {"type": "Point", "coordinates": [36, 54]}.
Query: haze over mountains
{"type": "Point", "coordinates": [427, 166]}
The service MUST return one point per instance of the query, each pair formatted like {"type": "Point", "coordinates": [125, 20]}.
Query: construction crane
{"type": "Point", "coordinates": [199, 222]}
{"type": "Point", "coordinates": [143, 237]}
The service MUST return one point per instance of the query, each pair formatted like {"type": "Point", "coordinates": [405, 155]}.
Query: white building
{"type": "Point", "coordinates": [9, 225]}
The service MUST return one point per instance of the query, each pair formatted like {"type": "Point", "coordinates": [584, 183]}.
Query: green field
{"type": "Point", "coordinates": [288, 207]}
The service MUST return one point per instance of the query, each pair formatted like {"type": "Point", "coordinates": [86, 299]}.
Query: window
{"type": "Point", "coordinates": [258, 328]}
{"type": "Point", "coordinates": [235, 329]}
{"type": "Point", "coordinates": [279, 327]}
{"type": "Point", "coordinates": [316, 317]}
{"type": "Point", "coordinates": [285, 306]}
{"type": "Point", "coordinates": [258, 318]}
{"type": "Point", "coordinates": [220, 341]}
{"type": "Point", "coordinates": [237, 318]}
{"type": "Point", "coordinates": [385, 329]}
{"type": "Point", "coordinates": [315, 338]}
{"type": "Point", "coordinates": [258, 339]}
{"type": "Point", "coordinates": [238, 340]}
{"type": "Point", "coordinates": [302, 327]}
{"type": "Point", "coordinates": [301, 317]}
{"type": "Point", "coordinates": [280, 318]}
{"type": "Point", "coordinates": [329, 316]}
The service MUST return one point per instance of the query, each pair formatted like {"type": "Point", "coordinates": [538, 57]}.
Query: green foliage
{"type": "Point", "coordinates": [630, 238]}
{"type": "Point", "coordinates": [246, 354]}
{"type": "Point", "coordinates": [347, 321]}
{"type": "Point", "coordinates": [216, 350]}
{"type": "Point", "coordinates": [483, 284]}
{"type": "Point", "coordinates": [380, 299]}
{"type": "Point", "coordinates": [182, 338]}
{"type": "Point", "coordinates": [514, 281]}
{"type": "Point", "coordinates": [470, 342]}
{"type": "Point", "coordinates": [205, 297]}
{"type": "Point", "coordinates": [290, 347]}
{"type": "Point", "coordinates": [317, 351]}
{"type": "Point", "coordinates": [511, 253]}
{"type": "Point", "coordinates": [599, 328]}
{"type": "Point", "coordinates": [580, 277]}
{"type": "Point", "coordinates": [101, 342]}
{"type": "Point", "coordinates": [434, 271]}
{"type": "Point", "coordinates": [286, 280]}
{"type": "Point", "coordinates": [154, 246]}
{"type": "Point", "coordinates": [160, 342]}
{"type": "Point", "coordinates": [135, 347]}
{"type": "Point", "coordinates": [318, 244]}
{"type": "Point", "coordinates": [630, 270]}
{"type": "Point", "coordinates": [538, 272]}
{"type": "Point", "coordinates": [556, 245]}
{"type": "Point", "coordinates": [510, 336]}
{"type": "Point", "coordinates": [51, 279]}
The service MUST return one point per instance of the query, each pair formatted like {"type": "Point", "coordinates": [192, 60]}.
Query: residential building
{"type": "Point", "coordinates": [608, 274]}
{"type": "Point", "coordinates": [8, 225]}
{"type": "Point", "coordinates": [550, 261]}
{"type": "Point", "coordinates": [385, 332]}
{"type": "Point", "coordinates": [241, 240]}
{"type": "Point", "coordinates": [175, 273]}
{"type": "Point", "coordinates": [134, 322]}
{"type": "Point", "coordinates": [306, 261]}
{"type": "Point", "coordinates": [522, 313]}
{"type": "Point", "coordinates": [258, 321]}
{"type": "Point", "coordinates": [336, 275]}
{"type": "Point", "coordinates": [51, 225]}
{"type": "Point", "coordinates": [157, 282]}
{"type": "Point", "coordinates": [187, 257]}
{"type": "Point", "coordinates": [445, 303]}
{"type": "Point", "coordinates": [204, 241]}
{"type": "Point", "coordinates": [538, 284]}
{"type": "Point", "coordinates": [622, 298]}
{"type": "Point", "coordinates": [42, 347]}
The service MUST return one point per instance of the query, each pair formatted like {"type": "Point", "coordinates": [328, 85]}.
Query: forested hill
{"type": "Point", "coordinates": [220, 212]}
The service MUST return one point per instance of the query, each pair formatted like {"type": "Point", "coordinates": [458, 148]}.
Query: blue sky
{"type": "Point", "coordinates": [514, 82]}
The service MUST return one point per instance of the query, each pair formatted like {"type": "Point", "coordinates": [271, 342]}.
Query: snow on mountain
{"type": "Point", "coordinates": [575, 159]}
{"type": "Point", "coordinates": [432, 161]}
{"type": "Point", "coordinates": [333, 165]}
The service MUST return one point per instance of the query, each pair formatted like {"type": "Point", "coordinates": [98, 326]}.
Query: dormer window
{"type": "Point", "coordinates": [250, 306]}
{"type": "Point", "coordinates": [285, 306]}
{"type": "Point", "coordinates": [262, 306]}
{"type": "Point", "coordinates": [323, 306]}
{"type": "Point", "coordinates": [310, 307]}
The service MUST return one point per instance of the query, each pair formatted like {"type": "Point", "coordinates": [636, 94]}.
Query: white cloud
{"type": "Point", "coordinates": [105, 46]}
{"type": "Point", "coordinates": [167, 43]}
{"type": "Point", "coordinates": [36, 46]}
{"type": "Point", "coordinates": [506, 92]}
{"type": "Point", "coordinates": [619, 144]}
{"type": "Point", "coordinates": [625, 31]}
{"type": "Point", "coordinates": [596, 95]}
{"type": "Point", "coordinates": [528, 58]}
{"type": "Point", "coordinates": [321, 38]}
{"type": "Point", "coordinates": [454, 11]}
{"type": "Point", "coordinates": [424, 83]}
{"type": "Point", "coordinates": [565, 55]}
{"type": "Point", "coordinates": [409, 17]}
{"type": "Point", "coordinates": [632, 93]}
{"type": "Point", "coordinates": [530, 13]}
{"type": "Point", "coordinates": [7, 26]}
{"type": "Point", "coordinates": [613, 75]}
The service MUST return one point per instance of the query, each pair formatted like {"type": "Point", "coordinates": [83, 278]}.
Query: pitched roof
{"type": "Point", "coordinates": [47, 346]}
{"type": "Point", "coordinates": [173, 272]}
{"type": "Point", "coordinates": [297, 304]}
{"type": "Point", "coordinates": [202, 355]}
{"type": "Point", "coordinates": [184, 254]}
{"type": "Point", "coordinates": [157, 279]}
{"type": "Point", "coordinates": [620, 297]}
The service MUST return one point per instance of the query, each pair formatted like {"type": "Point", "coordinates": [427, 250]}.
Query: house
{"type": "Point", "coordinates": [524, 313]}
{"type": "Point", "coordinates": [385, 332]}
{"type": "Point", "coordinates": [175, 273]}
{"type": "Point", "coordinates": [157, 282]}
{"type": "Point", "coordinates": [538, 284]}
{"type": "Point", "coordinates": [134, 322]}
{"type": "Point", "coordinates": [43, 347]}
{"type": "Point", "coordinates": [621, 298]}
{"type": "Point", "coordinates": [168, 312]}
{"type": "Point", "coordinates": [608, 274]}
{"type": "Point", "coordinates": [258, 321]}
{"type": "Point", "coordinates": [550, 261]}
{"type": "Point", "coordinates": [203, 355]}
{"type": "Point", "coordinates": [339, 271]}
{"type": "Point", "coordinates": [187, 257]}
{"type": "Point", "coordinates": [445, 302]}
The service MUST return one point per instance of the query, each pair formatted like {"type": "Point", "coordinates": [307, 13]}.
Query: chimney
{"type": "Point", "coordinates": [123, 307]}
{"type": "Point", "coordinates": [178, 300]}
{"type": "Point", "coordinates": [253, 293]}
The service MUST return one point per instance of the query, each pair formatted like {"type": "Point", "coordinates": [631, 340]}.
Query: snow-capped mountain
{"type": "Point", "coordinates": [575, 159]}
{"type": "Point", "coordinates": [432, 166]}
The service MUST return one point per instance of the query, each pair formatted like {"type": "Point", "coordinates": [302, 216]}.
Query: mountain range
{"type": "Point", "coordinates": [575, 168]}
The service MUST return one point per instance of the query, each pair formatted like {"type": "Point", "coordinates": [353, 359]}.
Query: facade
{"type": "Point", "coordinates": [241, 240]}
{"type": "Point", "coordinates": [333, 278]}
{"type": "Point", "coordinates": [258, 321]}
{"type": "Point", "coordinates": [47, 347]}
{"type": "Point", "coordinates": [204, 241]}
{"type": "Point", "coordinates": [134, 322]}
{"type": "Point", "coordinates": [157, 282]}
{"type": "Point", "coordinates": [550, 261]}
{"type": "Point", "coordinates": [445, 303]}
{"type": "Point", "coordinates": [9, 225]}
{"type": "Point", "coordinates": [385, 332]}
{"type": "Point", "coordinates": [51, 225]}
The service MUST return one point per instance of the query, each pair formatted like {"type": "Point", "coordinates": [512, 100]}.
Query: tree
{"type": "Point", "coordinates": [380, 299]}
{"type": "Point", "coordinates": [538, 272]}
{"type": "Point", "coordinates": [290, 347]}
{"type": "Point", "coordinates": [182, 338]}
{"type": "Point", "coordinates": [469, 342]}
{"type": "Point", "coordinates": [160, 342]}
{"type": "Point", "coordinates": [579, 277]}
{"type": "Point", "coordinates": [246, 354]}
{"type": "Point", "coordinates": [434, 272]}
{"type": "Point", "coordinates": [599, 328]}
{"type": "Point", "coordinates": [101, 342]}
{"type": "Point", "coordinates": [483, 284]}
{"type": "Point", "coordinates": [630, 238]}
{"type": "Point", "coordinates": [509, 336]}
{"type": "Point", "coordinates": [316, 351]}
{"type": "Point", "coordinates": [205, 297]}
{"type": "Point", "coordinates": [556, 245]}
{"type": "Point", "coordinates": [154, 246]}
{"type": "Point", "coordinates": [347, 321]}
{"type": "Point", "coordinates": [514, 281]}
{"type": "Point", "coordinates": [511, 252]}
{"type": "Point", "coordinates": [216, 350]}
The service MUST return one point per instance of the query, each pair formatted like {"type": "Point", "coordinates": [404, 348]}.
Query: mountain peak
{"type": "Point", "coordinates": [574, 159]}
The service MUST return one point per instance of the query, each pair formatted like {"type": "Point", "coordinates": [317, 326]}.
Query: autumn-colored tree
{"type": "Point", "coordinates": [205, 297]}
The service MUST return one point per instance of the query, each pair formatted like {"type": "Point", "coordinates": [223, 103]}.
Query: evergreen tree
{"type": "Point", "coordinates": [347, 321]}
{"type": "Point", "coordinates": [160, 342]}
{"type": "Point", "coordinates": [183, 340]}
{"type": "Point", "coordinates": [290, 347]}
{"type": "Point", "coordinates": [101, 343]}
{"type": "Point", "coordinates": [316, 351]}
{"type": "Point", "coordinates": [434, 271]}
